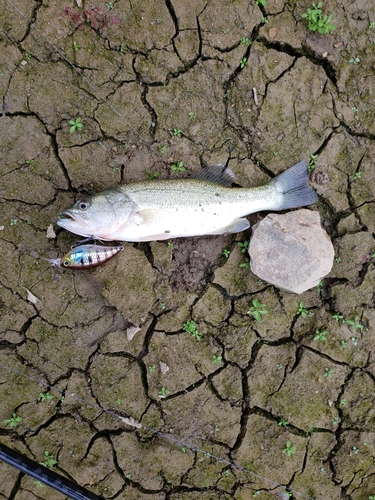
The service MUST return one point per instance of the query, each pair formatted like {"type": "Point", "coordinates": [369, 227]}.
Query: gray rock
{"type": "Point", "coordinates": [291, 251]}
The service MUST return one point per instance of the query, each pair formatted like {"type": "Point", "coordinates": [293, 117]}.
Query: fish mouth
{"type": "Point", "coordinates": [66, 215]}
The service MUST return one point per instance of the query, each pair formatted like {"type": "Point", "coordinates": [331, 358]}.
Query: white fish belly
{"type": "Point", "coordinates": [153, 224]}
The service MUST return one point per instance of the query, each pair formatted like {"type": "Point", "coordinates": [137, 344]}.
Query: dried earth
{"type": "Point", "coordinates": [252, 408]}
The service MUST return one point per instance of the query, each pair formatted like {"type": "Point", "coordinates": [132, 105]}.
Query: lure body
{"type": "Point", "coordinates": [86, 256]}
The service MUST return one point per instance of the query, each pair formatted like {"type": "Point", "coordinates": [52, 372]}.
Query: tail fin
{"type": "Point", "coordinates": [293, 185]}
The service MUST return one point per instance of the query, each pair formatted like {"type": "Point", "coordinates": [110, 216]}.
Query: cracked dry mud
{"type": "Point", "coordinates": [245, 388]}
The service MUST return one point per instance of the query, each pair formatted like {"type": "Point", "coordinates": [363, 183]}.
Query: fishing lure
{"type": "Point", "coordinates": [86, 256]}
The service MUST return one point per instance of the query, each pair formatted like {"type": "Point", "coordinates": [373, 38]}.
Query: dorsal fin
{"type": "Point", "coordinates": [218, 173]}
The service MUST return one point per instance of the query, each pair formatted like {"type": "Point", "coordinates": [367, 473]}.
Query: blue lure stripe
{"type": "Point", "coordinates": [89, 256]}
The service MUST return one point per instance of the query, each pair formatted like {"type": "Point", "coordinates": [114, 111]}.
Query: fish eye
{"type": "Point", "coordinates": [83, 204]}
{"type": "Point", "coordinates": [66, 263]}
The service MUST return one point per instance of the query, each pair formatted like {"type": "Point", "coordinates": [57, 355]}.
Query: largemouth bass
{"type": "Point", "coordinates": [172, 208]}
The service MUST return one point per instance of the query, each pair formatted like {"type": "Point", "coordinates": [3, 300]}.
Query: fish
{"type": "Point", "coordinates": [203, 204]}
{"type": "Point", "coordinates": [86, 256]}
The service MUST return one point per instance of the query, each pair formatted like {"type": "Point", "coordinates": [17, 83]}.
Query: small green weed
{"type": "Point", "coordinates": [372, 26]}
{"type": "Point", "coordinates": [152, 175]}
{"type": "Point", "coordinates": [27, 56]}
{"type": "Point", "coordinates": [321, 336]}
{"type": "Point", "coordinates": [170, 245]}
{"type": "Point", "coordinates": [45, 396]}
{"type": "Point", "coordinates": [244, 62]}
{"type": "Point", "coordinates": [289, 449]}
{"type": "Point", "coordinates": [317, 21]}
{"type": "Point", "coordinates": [328, 372]}
{"type": "Point", "coordinates": [244, 246]}
{"type": "Point", "coordinates": [13, 222]}
{"type": "Point", "coordinates": [39, 484]}
{"type": "Point", "coordinates": [191, 327]}
{"type": "Point", "coordinates": [257, 310]}
{"type": "Point", "coordinates": [354, 60]}
{"type": "Point", "coordinates": [178, 167]}
{"type": "Point", "coordinates": [226, 253]}
{"type": "Point", "coordinates": [261, 2]}
{"type": "Point", "coordinates": [283, 423]}
{"type": "Point", "coordinates": [162, 148]}
{"type": "Point", "coordinates": [192, 115]}
{"type": "Point", "coordinates": [152, 368]}
{"type": "Point", "coordinates": [246, 264]}
{"type": "Point", "coordinates": [122, 47]}
{"type": "Point", "coordinates": [75, 47]}
{"type": "Point", "coordinates": [312, 162]}
{"type": "Point", "coordinates": [244, 41]}
{"type": "Point", "coordinates": [75, 125]}
{"type": "Point", "coordinates": [13, 421]}
{"type": "Point", "coordinates": [163, 392]}
{"type": "Point", "coordinates": [109, 5]}
{"type": "Point", "coordinates": [49, 461]}
{"type": "Point", "coordinates": [217, 360]}
{"type": "Point", "coordinates": [177, 132]}
{"type": "Point", "coordinates": [320, 286]}
{"type": "Point", "coordinates": [302, 311]}
{"type": "Point", "coordinates": [264, 20]}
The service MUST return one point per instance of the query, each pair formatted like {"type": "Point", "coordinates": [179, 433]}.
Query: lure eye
{"type": "Point", "coordinates": [66, 263]}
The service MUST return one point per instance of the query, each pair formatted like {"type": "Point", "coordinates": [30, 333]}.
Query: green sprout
{"type": "Point", "coordinates": [261, 2]}
{"type": "Point", "coordinates": [243, 245]}
{"type": "Point", "coordinates": [152, 368]}
{"type": "Point", "coordinates": [75, 125]}
{"type": "Point", "coordinates": [302, 310]}
{"type": "Point", "coordinates": [39, 484]}
{"type": "Point", "coordinates": [320, 286]}
{"type": "Point", "coordinates": [243, 62]}
{"type": "Point", "coordinates": [246, 264]}
{"type": "Point", "coordinates": [312, 162]}
{"type": "Point", "coordinates": [122, 47]}
{"type": "Point", "coordinates": [163, 392]}
{"type": "Point", "coordinates": [75, 47]}
{"type": "Point", "coordinates": [321, 336]}
{"type": "Point", "coordinates": [328, 372]}
{"type": "Point", "coordinates": [217, 360]}
{"type": "Point", "coordinates": [49, 460]}
{"type": "Point", "coordinates": [45, 396]}
{"type": "Point", "coordinates": [13, 421]}
{"type": "Point", "coordinates": [192, 115]}
{"type": "Point", "coordinates": [289, 449]}
{"type": "Point", "coordinates": [170, 245]}
{"type": "Point", "coordinates": [372, 26]}
{"type": "Point", "coordinates": [357, 175]}
{"type": "Point", "coordinates": [109, 5]}
{"type": "Point", "coordinates": [317, 21]}
{"type": "Point", "coordinates": [27, 56]}
{"type": "Point", "coordinates": [244, 41]}
{"type": "Point", "coordinates": [226, 253]}
{"type": "Point", "coordinates": [283, 423]}
{"type": "Point", "coordinates": [13, 222]}
{"type": "Point", "coordinates": [177, 132]}
{"type": "Point", "coordinates": [354, 60]}
{"type": "Point", "coordinates": [178, 167]}
{"type": "Point", "coordinates": [257, 310]}
{"type": "Point", "coordinates": [152, 175]}
{"type": "Point", "coordinates": [264, 20]}
{"type": "Point", "coordinates": [191, 327]}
